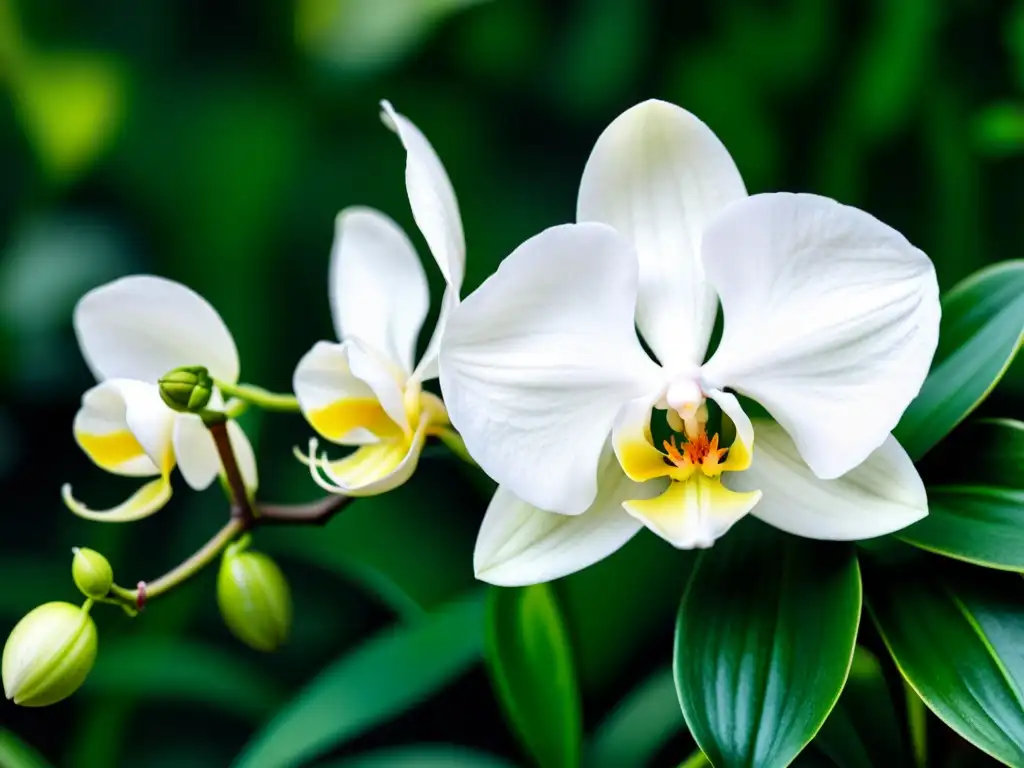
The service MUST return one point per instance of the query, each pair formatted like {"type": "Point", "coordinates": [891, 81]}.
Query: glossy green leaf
{"type": "Point", "coordinates": [957, 638]}
{"type": "Point", "coordinates": [981, 330]}
{"type": "Point", "coordinates": [175, 669]}
{"type": "Point", "coordinates": [383, 678]}
{"type": "Point", "coordinates": [530, 660]}
{"type": "Point", "coordinates": [863, 730]}
{"type": "Point", "coordinates": [422, 756]}
{"type": "Point", "coordinates": [764, 641]}
{"type": "Point", "coordinates": [15, 753]}
{"type": "Point", "coordinates": [639, 726]}
{"type": "Point", "coordinates": [977, 514]}
{"type": "Point", "coordinates": [977, 524]}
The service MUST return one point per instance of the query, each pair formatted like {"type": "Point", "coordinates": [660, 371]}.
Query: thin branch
{"type": "Point", "coordinates": [314, 513]}
{"type": "Point", "coordinates": [241, 505]}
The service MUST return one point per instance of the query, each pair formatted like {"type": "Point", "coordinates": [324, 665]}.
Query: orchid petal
{"type": "Point", "coordinates": [102, 431]}
{"type": "Point", "coordinates": [144, 502]}
{"type": "Point", "coordinates": [378, 288]}
{"type": "Point", "coordinates": [831, 321]}
{"type": "Point", "coordinates": [369, 470]}
{"type": "Point", "coordinates": [141, 327]}
{"type": "Point", "coordinates": [195, 451]}
{"type": "Point", "coordinates": [537, 362]}
{"type": "Point", "coordinates": [431, 197]}
{"type": "Point", "coordinates": [694, 513]}
{"type": "Point", "coordinates": [658, 174]}
{"type": "Point", "coordinates": [519, 544]}
{"type": "Point", "coordinates": [880, 496]}
{"type": "Point", "coordinates": [340, 406]}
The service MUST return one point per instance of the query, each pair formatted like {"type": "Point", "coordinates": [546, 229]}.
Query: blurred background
{"type": "Point", "coordinates": [214, 143]}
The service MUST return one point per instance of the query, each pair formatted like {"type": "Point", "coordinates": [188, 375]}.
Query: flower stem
{"type": "Point", "coordinates": [245, 514]}
{"type": "Point", "coordinates": [270, 401]}
{"type": "Point", "coordinates": [917, 723]}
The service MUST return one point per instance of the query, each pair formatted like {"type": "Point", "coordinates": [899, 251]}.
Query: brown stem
{"type": "Point", "coordinates": [244, 516]}
{"type": "Point", "coordinates": [314, 513]}
{"type": "Point", "coordinates": [241, 505]}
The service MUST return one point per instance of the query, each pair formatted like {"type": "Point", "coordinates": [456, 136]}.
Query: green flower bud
{"type": "Point", "coordinates": [254, 598]}
{"type": "Point", "coordinates": [49, 654]}
{"type": "Point", "coordinates": [187, 389]}
{"type": "Point", "coordinates": [92, 573]}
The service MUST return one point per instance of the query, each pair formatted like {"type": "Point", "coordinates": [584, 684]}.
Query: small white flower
{"type": "Point", "coordinates": [365, 391]}
{"type": "Point", "coordinates": [830, 323]}
{"type": "Point", "coordinates": [132, 331]}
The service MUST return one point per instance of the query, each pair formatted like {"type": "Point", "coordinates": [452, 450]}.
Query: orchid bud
{"type": "Point", "coordinates": [92, 573]}
{"type": "Point", "coordinates": [49, 654]}
{"type": "Point", "coordinates": [254, 598]}
{"type": "Point", "coordinates": [186, 389]}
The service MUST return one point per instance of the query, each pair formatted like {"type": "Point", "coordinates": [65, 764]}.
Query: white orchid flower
{"type": "Point", "coordinates": [132, 331]}
{"type": "Point", "coordinates": [365, 391]}
{"type": "Point", "coordinates": [830, 323]}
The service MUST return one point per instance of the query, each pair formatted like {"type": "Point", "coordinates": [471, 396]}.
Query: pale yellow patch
{"type": "Point", "coordinates": [112, 450]}
{"type": "Point", "coordinates": [341, 417]}
{"type": "Point", "coordinates": [367, 464]}
{"type": "Point", "coordinates": [693, 513]}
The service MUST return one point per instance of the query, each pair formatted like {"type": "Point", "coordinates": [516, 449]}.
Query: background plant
{"type": "Point", "coordinates": [216, 147]}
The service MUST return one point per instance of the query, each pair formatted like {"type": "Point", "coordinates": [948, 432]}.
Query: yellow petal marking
{"type": "Point", "coordinates": [143, 503]}
{"type": "Point", "coordinates": [693, 513]}
{"type": "Point", "coordinates": [341, 417]}
{"type": "Point", "coordinates": [111, 450]}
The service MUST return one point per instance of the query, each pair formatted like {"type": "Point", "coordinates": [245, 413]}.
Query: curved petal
{"type": "Point", "coordinates": [658, 175]}
{"type": "Point", "coordinates": [741, 450]}
{"type": "Point", "coordinates": [195, 451]}
{"type": "Point", "coordinates": [882, 495]}
{"type": "Point", "coordinates": [141, 327]}
{"type": "Point", "coordinates": [634, 449]}
{"type": "Point", "coordinates": [695, 513]}
{"type": "Point", "coordinates": [426, 368]}
{"type": "Point", "coordinates": [831, 321]}
{"type": "Point", "coordinates": [150, 421]}
{"type": "Point", "coordinates": [369, 470]}
{"type": "Point", "coordinates": [431, 197]}
{"type": "Point", "coordinates": [144, 502]}
{"type": "Point", "coordinates": [536, 363]}
{"type": "Point", "coordinates": [519, 544]}
{"type": "Point", "coordinates": [378, 289]}
{"type": "Point", "coordinates": [386, 382]}
{"type": "Point", "coordinates": [101, 430]}
{"type": "Point", "coordinates": [244, 455]}
{"type": "Point", "coordinates": [340, 406]}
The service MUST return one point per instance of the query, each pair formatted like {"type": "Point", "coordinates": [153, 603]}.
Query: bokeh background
{"type": "Point", "coordinates": [213, 143]}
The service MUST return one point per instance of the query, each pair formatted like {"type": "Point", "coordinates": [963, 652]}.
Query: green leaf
{"type": "Point", "coordinates": [764, 641]}
{"type": "Point", "coordinates": [981, 330]}
{"type": "Point", "coordinates": [383, 678]}
{"type": "Point", "coordinates": [15, 753]}
{"type": "Point", "coordinates": [422, 756]}
{"type": "Point", "coordinates": [862, 730]}
{"type": "Point", "coordinates": [957, 638]}
{"type": "Point", "coordinates": [977, 515]}
{"type": "Point", "coordinates": [640, 725]}
{"type": "Point", "coordinates": [164, 668]}
{"type": "Point", "coordinates": [980, 525]}
{"type": "Point", "coordinates": [530, 660]}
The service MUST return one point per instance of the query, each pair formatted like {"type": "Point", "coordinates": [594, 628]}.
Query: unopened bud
{"type": "Point", "coordinates": [92, 573]}
{"type": "Point", "coordinates": [49, 654]}
{"type": "Point", "coordinates": [254, 598]}
{"type": "Point", "coordinates": [187, 389]}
